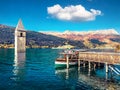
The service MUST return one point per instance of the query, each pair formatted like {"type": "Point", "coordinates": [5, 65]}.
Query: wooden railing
{"type": "Point", "coordinates": [101, 57]}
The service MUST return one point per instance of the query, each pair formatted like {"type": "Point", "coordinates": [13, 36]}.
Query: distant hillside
{"type": "Point", "coordinates": [91, 39]}
{"type": "Point", "coordinates": [6, 34]}
{"type": "Point", "coordinates": [35, 39]}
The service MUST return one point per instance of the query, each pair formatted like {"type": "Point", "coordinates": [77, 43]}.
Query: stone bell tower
{"type": "Point", "coordinates": [20, 38]}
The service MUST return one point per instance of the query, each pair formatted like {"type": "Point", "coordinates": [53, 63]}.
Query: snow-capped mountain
{"type": "Point", "coordinates": [106, 38]}
{"type": "Point", "coordinates": [68, 32]}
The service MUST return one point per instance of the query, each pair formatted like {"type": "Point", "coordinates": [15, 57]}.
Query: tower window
{"type": "Point", "coordinates": [21, 34]}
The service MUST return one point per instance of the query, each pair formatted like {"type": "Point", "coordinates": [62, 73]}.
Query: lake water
{"type": "Point", "coordinates": [35, 70]}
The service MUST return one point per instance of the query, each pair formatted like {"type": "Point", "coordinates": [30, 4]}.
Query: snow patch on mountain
{"type": "Point", "coordinates": [68, 32]}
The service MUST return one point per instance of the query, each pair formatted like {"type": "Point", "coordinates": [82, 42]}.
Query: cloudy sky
{"type": "Point", "coordinates": [61, 15]}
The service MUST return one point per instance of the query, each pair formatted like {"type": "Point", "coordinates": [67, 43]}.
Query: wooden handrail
{"type": "Point", "coordinates": [102, 57]}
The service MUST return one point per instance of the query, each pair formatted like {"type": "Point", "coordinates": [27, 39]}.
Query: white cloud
{"type": "Point", "coordinates": [73, 13]}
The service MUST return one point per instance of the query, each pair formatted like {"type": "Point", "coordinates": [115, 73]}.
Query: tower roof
{"type": "Point", "coordinates": [19, 25]}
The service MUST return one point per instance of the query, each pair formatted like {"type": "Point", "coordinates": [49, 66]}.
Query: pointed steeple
{"type": "Point", "coordinates": [20, 25]}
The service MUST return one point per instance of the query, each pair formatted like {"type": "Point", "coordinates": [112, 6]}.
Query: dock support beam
{"type": "Point", "coordinates": [106, 70]}
{"type": "Point", "coordinates": [94, 66]}
{"type": "Point", "coordinates": [106, 67]}
{"type": "Point", "coordinates": [89, 67]}
{"type": "Point", "coordinates": [98, 64]}
{"type": "Point", "coordinates": [67, 57]}
{"type": "Point", "coordinates": [84, 64]}
{"type": "Point", "coordinates": [79, 60]}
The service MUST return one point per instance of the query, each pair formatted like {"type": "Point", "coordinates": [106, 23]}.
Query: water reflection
{"type": "Point", "coordinates": [65, 73]}
{"type": "Point", "coordinates": [88, 78]}
{"type": "Point", "coordinates": [19, 67]}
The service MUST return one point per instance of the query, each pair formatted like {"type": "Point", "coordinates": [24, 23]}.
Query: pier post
{"type": "Point", "coordinates": [84, 64]}
{"type": "Point", "coordinates": [94, 66]}
{"type": "Point", "coordinates": [79, 60]}
{"type": "Point", "coordinates": [106, 67]}
{"type": "Point", "coordinates": [106, 70]}
{"type": "Point", "coordinates": [67, 57]}
{"type": "Point", "coordinates": [89, 67]}
{"type": "Point", "coordinates": [98, 64]}
{"type": "Point", "coordinates": [106, 76]}
{"type": "Point", "coordinates": [111, 73]}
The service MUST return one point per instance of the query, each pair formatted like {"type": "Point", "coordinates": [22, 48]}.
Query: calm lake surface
{"type": "Point", "coordinates": [35, 70]}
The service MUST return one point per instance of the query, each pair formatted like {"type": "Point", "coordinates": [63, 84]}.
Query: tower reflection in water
{"type": "Point", "coordinates": [19, 66]}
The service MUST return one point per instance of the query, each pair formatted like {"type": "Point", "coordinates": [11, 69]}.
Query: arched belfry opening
{"type": "Point", "coordinates": [20, 38]}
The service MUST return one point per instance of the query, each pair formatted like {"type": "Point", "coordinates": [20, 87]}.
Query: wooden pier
{"type": "Point", "coordinates": [107, 59]}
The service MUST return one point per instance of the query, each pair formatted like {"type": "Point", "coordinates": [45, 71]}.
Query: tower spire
{"type": "Point", "coordinates": [20, 25]}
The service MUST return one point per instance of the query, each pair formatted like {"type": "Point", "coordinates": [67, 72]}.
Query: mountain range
{"type": "Point", "coordinates": [107, 38]}
{"type": "Point", "coordinates": [68, 32]}
{"type": "Point", "coordinates": [34, 39]}
{"type": "Point", "coordinates": [91, 39]}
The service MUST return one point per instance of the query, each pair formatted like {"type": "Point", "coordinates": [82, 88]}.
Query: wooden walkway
{"type": "Point", "coordinates": [100, 57]}
{"type": "Point", "coordinates": [96, 59]}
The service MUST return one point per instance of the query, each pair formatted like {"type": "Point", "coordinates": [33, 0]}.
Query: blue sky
{"type": "Point", "coordinates": [57, 15]}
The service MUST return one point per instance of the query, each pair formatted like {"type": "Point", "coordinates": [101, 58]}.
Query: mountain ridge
{"type": "Point", "coordinates": [34, 39]}
{"type": "Point", "coordinates": [68, 32]}
{"type": "Point", "coordinates": [38, 39]}
{"type": "Point", "coordinates": [107, 38]}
